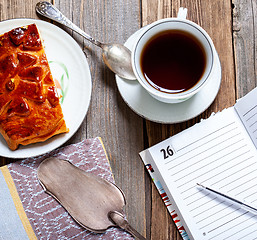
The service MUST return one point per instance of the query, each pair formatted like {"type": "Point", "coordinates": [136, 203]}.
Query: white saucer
{"type": "Point", "coordinates": [140, 101]}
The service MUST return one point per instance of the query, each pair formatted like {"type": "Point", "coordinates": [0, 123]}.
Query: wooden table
{"type": "Point", "coordinates": [230, 23]}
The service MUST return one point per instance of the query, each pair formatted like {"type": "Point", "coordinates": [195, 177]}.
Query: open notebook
{"type": "Point", "coordinates": [221, 153]}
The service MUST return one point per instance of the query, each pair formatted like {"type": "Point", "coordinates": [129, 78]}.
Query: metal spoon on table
{"type": "Point", "coordinates": [116, 56]}
{"type": "Point", "coordinates": [93, 202]}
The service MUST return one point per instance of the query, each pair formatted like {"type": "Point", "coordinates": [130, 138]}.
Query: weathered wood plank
{"type": "Point", "coordinates": [245, 42]}
{"type": "Point", "coordinates": [109, 117]}
{"type": "Point", "coordinates": [207, 14]}
{"type": "Point", "coordinates": [17, 9]}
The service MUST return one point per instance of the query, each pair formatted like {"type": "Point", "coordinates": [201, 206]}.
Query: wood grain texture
{"type": "Point", "coordinates": [17, 9]}
{"type": "Point", "coordinates": [245, 44]}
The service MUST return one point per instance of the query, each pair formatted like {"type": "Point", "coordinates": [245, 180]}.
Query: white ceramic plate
{"type": "Point", "coordinates": [61, 50]}
{"type": "Point", "coordinates": [140, 101]}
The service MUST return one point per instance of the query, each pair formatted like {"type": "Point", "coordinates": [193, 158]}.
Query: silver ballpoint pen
{"type": "Point", "coordinates": [242, 204]}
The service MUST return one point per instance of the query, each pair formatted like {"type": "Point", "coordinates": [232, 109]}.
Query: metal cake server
{"type": "Point", "coordinates": [93, 202]}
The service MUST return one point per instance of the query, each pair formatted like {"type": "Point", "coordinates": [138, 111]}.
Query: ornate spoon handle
{"type": "Point", "coordinates": [47, 10]}
{"type": "Point", "coordinates": [120, 221]}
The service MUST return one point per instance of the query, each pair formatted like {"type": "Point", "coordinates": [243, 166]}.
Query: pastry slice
{"type": "Point", "coordinates": [30, 111]}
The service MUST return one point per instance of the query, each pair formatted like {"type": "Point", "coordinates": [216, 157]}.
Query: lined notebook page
{"type": "Point", "coordinates": [217, 153]}
{"type": "Point", "coordinates": [246, 108]}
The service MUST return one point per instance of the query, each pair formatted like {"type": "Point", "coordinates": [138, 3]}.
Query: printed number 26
{"type": "Point", "coordinates": [168, 152]}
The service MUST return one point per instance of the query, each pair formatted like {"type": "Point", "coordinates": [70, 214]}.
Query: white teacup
{"type": "Point", "coordinates": [150, 32]}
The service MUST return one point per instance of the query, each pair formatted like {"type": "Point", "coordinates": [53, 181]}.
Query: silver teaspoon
{"type": "Point", "coordinates": [116, 56]}
{"type": "Point", "coordinates": [93, 202]}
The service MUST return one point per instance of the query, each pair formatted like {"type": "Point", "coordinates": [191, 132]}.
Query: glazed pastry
{"type": "Point", "coordinates": [30, 111]}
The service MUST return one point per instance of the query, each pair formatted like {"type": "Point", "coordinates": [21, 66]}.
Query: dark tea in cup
{"type": "Point", "coordinates": [173, 61]}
